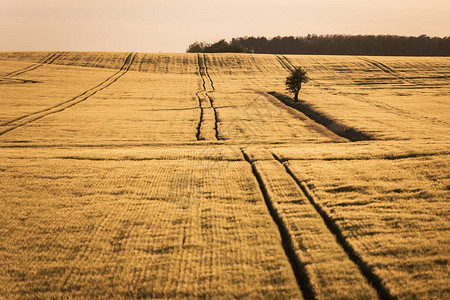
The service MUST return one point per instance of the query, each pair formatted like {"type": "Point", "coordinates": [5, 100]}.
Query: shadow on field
{"type": "Point", "coordinates": [335, 126]}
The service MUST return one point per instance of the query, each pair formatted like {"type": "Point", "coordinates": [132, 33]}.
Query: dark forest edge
{"type": "Point", "coordinates": [336, 44]}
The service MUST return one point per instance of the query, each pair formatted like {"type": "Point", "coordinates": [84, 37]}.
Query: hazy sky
{"type": "Point", "coordinates": [170, 26]}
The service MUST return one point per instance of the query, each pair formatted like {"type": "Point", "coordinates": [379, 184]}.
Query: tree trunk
{"type": "Point", "coordinates": [297, 92]}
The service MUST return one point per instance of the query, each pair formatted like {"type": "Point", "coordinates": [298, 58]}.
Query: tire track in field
{"type": "Point", "coordinates": [286, 63]}
{"type": "Point", "coordinates": [288, 66]}
{"type": "Point", "coordinates": [388, 70]}
{"type": "Point", "coordinates": [29, 118]}
{"type": "Point", "coordinates": [334, 126]}
{"type": "Point", "coordinates": [206, 104]}
{"type": "Point", "coordinates": [211, 100]}
{"type": "Point", "coordinates": [410, 80]}
{"type": "Point", "coordinates": [48, 60]}
{"type": "Point", "coordinates": [200, 121]}
{"type": "Point", "coordinates": [197, 94]}
{"type": "Point", "coordinates": [363, 266]}
{"type": "Point", "coordinates": [207, 73]}
{"type": "Point", "coordinates": [298, 267]}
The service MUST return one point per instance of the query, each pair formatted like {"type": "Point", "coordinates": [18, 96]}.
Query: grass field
{"type": "Point", "coordinates": [139, 175]}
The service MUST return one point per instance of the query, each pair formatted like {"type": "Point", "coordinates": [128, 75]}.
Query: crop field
{"type": "Point", "coordinates": [153, 175]}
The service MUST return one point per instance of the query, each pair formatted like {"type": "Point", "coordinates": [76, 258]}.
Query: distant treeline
{"type": "Point", "coordinates": [221, 46]}
{"type": "Point", "coordinates": [332, 44]}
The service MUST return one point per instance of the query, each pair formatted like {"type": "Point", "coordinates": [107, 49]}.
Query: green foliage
{"type": "Point", "coordinates": [295, 79]}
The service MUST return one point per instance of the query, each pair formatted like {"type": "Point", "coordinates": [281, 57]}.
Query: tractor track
{"type": "Point", "coordinates": [386, 69]}
{"type": "Point", "coordinates": [301, 276]}
{"type": "Point", "coordinates": [298, 267]}
{"type": "Point", "coordinates": [211, 100]}
{"type": "Point", "coordinates": [207, 73]}
{"type": "Point", "coordinates": [199, 126]}
{"type": "Point", "coordinates": [47, 61]}
{"type": "Point", "coordinates": [216, 117]}
{"type": "Point", "coordinates": [288, 66]}
{"type": "Point", "coordinates": [374, 280]}
{"type": "Point", "coordinates": [29, 118]}
{"type": "Point", "coordinates": [200, 105]}
{"type": "Point", "coordinates": [205, 101]}
{"type": "Point", "coordinates": [286, 63]}
{"type": "Point", "coordinates": [349, 133]}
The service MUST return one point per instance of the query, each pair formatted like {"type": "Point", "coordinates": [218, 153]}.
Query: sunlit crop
{"type": "Point", "coordinates": [139, 175]}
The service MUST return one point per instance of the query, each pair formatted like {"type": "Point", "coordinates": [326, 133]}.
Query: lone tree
{"type": "Point", "coordinates": [295, 79]}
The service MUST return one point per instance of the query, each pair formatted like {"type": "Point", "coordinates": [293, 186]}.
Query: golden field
{"type": "Point", "coordinates": [140, 175]}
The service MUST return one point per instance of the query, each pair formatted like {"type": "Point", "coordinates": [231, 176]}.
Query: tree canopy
{"type": "Point", "coordinates": [295, 79]}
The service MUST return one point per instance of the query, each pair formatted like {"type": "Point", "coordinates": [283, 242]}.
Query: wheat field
{"type": "Point", "coordinates": [153, 175]}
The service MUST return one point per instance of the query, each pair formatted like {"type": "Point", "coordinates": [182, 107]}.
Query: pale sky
{"type": "Point", "coordinates": [170, 26]}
